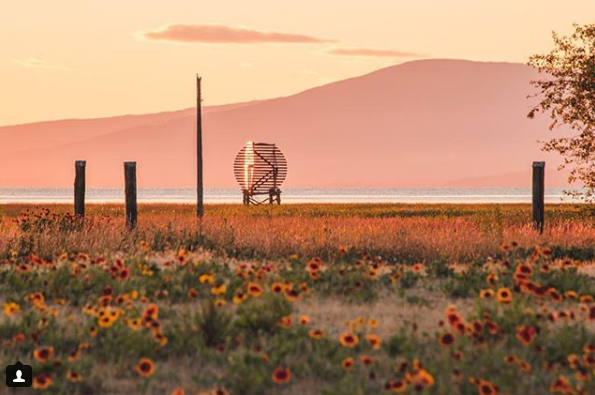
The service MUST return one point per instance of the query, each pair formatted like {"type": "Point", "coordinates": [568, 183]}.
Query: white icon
{"type": "Point", "coordinates": [19, 379]}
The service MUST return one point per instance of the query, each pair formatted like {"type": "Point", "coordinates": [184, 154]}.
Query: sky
{"type": "Point", "coordinates": [82, 58]}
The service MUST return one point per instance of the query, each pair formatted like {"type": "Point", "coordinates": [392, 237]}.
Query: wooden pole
{"type": "Point", "coordinates": [539, 195]}
{"type": "Point", "coordinates": [199, 167]}
{"type": "Point", "coordinates": [130, 190]}
{"type": "Point", "coordinates": [79, 188]}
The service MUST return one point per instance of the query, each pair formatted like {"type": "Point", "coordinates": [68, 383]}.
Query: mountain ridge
{"type": "Point", "coordinates": [421, 123]}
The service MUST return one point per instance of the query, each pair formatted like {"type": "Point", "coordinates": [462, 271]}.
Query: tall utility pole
{"type": "Point", "coordinates": [199, 169]}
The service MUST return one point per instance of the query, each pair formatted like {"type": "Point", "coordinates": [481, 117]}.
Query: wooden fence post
{"type": "Point", "coordinates": [538, 195]}
{"type": "Point", "coordinates": [130, 190]}
{"type": "Point", "coordinates": [79, 188]}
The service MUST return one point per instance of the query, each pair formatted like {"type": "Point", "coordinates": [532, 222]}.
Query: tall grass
{"type": "Point", "coordinates": [405, 233]}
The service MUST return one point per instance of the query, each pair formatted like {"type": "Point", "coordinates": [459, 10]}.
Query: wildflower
{"type": "Point", "coordinates": [151, 313]}
{"type": "Point", "coordinates": [396, 276]}
{"type": "Point", "coordinates": [421, 378]}
{"type": "Point", "coordinates": [19, 337]}
{"type": "Point", "coordinates": [145, 367]}
{"type": "Point", "coordinates": [281, 375]}
{"type": "Point", "coordinates": [562, 385]}
{"type": "Point", "coordinates": [397, 386]}
{"type": "Point", "coordinates": [219, 290]}
{"type": "Point", "coordinates": [314, 265]}
{"type": "Point", "coordinates": [347, 363]}
{"type": "Point", "coordinates": [491, 278]}
{"type": "Point", "coordinates": [11, 308]}
{"type": "Point", "coordinates": [239, 296]}
{"type": "Point", "coordinates": [486, 293]}
{"type": "Point", "coordinates": [106, 321]}
{"type": "Point", "coordinates": [178, 391]}
{"type": "Point", "coordinates": [43, 354]}
{"type": "Point", "coordinates": [291, 294]}
{"type": "Point", "coordinates": [220, 302]}
{"type": "Point", "coordinates": [484, 387]}
{"type": "Point", "coordinates": [504, 296]}
{"type": "Point", "coordinates": [446, 339]}
{"type": "Point", "coordinates": [372, 323]}
{"type": "Point", "coordinates": [206, 278]}
{"type": "Point", "coordinates": [42, 381]}
{"type": "Point", "coordinates": [73, 376]}
{"type": "Point", "coordinates": [254, 289]}
{"type": "Point", "coordinates": [286, 322]}
{"type": "Point", "coordinates": [525, 334]}
{"type": "Point", "coordinates": [589, 348]}
{"type": "Point", "coordinates": [304, 320]}
{"type": "Point", "coordinates": [316, 334]}
{"type": "Point", "coordinates": [374, 340]}
{"type": "Point", "coordinates": [349, 340]}
{"type": "Point", "coordinates": [277, 288]}
{"type": "Point", "coordinates": [511, 359]}
{"type": "Point", "coordinates": [366, 360]}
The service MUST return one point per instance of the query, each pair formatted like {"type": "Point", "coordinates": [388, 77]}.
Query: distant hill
{"type": "Point", "coordinates": [422, 123]}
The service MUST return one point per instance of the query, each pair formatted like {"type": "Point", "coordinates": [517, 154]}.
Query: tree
{"type": "Point", "coordinates": [567, 94]}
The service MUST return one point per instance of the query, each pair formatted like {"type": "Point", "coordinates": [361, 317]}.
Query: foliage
{"type": "Point", "coordinates": [568, 95]}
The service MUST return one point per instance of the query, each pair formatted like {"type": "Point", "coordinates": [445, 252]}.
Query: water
{"type": "Point", "coordinates": [301, 195]}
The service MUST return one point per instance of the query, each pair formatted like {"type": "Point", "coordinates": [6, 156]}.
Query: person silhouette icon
{"type": "Point", "coordinates": [19, 375]}
{"type": "Point", "coordinates": [19, 379]}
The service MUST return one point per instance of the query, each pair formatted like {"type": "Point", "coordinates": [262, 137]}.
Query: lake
{"type": "Point", "coordinates": [296, 195]}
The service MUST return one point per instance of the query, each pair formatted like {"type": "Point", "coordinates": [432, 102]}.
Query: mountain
{"type": "Point", "coordinates": [422, 123]}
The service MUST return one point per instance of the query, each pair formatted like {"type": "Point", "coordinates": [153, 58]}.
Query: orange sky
{"type": "Point", "coordinates": [83, 58]}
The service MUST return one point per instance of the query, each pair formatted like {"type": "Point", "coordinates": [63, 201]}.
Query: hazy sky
{"type": "Point", "coordinates": [83, 58]}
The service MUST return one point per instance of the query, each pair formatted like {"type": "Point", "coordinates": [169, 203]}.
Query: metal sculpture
{"type": "Point", "coordinates": [260, 169]}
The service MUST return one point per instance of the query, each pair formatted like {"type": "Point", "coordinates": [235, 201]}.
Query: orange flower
{"type": "Point", "coordinates": [145, 367]}
{"type": "Point", "coordinates": [178, 391]}
{"type": "Point", "coordinates": [151, 313]}
{"type": "Point", "coordinates": [42, 381]}
{"type": "Point", "coordinates": [446, 339]}
{"type": "Point", "coordinates": [525, 334]}
{"type": "Point", "coordinates": [486, 293]}
{"type": "Point", "coordinates": [316, 334]}
{"type": "Point", "coordinates": [397, 386]}
{"type": "Point", "coordinates": [254, 289]}
{"type": "Point", "coordinates": [43, 354]}
{"type": "Point", "coordinates": [374, 340]}
{"type": "Point", "coordinates": [562, 385]}
{"type": "Point", "coordinates": [349, 340]}
{"type": "Point", "coordinates": [304, 320]}
{"type": "Point", "coordinates": [73, 376]}
{"type": "Point", "coordinates": [286, 322]}
{"type": "Point", "coordinates": [347, 363]}
{"type": "Point", "coordinates": [281, 375]}
{"type": "Point", "coordinates": [366, 360]}
{"type": "Point", "coordinates": [504, 296]}
{"type": "Point", "coordinates": [486, 388]}
{"type": "Point", "coordinates": [277, 288]}
{"type": "Point", "coordinates": [11, 308]}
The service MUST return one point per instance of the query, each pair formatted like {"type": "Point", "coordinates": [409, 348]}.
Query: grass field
{"type": "Point", "coordinates": [300, 299]}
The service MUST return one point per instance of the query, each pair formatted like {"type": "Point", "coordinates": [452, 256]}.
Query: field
{"type": "Point", "coordinates": [300, 299]}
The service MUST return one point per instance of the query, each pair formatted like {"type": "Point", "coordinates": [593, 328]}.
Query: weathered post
{"type": "Point", "coordinates": [538, 195]}
{"type": "Point", "coordinates": [199, 169]}
{"type": "Point", "coordinates": [130, 190]}
{"type": "Point", "coordinates": [79, 188]}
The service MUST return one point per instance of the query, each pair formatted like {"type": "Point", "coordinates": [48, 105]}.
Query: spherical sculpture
{"type": "Point", "coordinates": [260, 169]}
